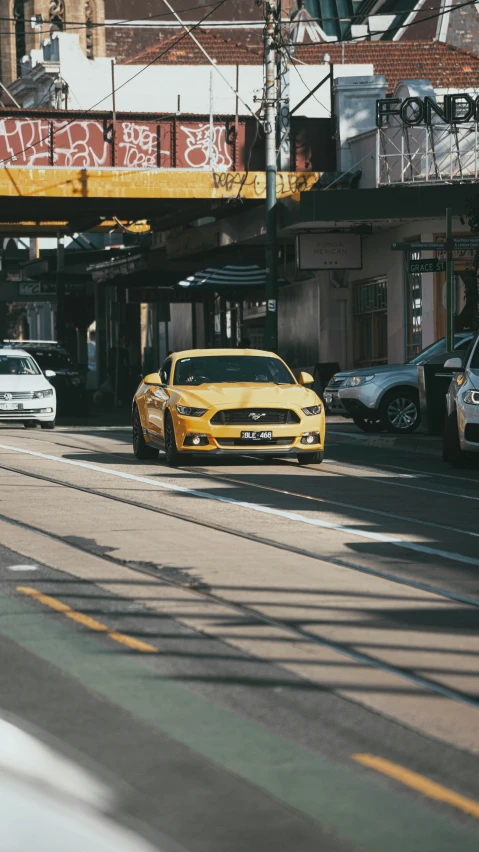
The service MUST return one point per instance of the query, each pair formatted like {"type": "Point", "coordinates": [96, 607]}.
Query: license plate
{"type": "Point", "coordinates": [257, 436]}
{"type": "Point", "coordinates": [9, 406]}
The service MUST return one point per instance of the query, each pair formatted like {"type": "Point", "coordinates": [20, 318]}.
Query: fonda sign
{"type": "Point", "coordinates": [455, 109]}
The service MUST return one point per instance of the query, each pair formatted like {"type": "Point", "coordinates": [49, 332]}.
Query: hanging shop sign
{"type": "Point", "coordinates": [328, 251]}
{"type": "Point", "coordinates": [455, 109]}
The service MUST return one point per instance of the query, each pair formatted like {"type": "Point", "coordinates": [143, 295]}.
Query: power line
{"type": "Point", "coordinates": [93, 24]}
{"type": "Point", "coordinates": [404, 26]}
{"type": "Point", "coordinates": [87, 111]}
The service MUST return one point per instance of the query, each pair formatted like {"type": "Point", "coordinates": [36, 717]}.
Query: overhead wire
{"type": "Point", "coordinates": [117, 88]}
{"type": "Point", "coordinates": [403, 26]}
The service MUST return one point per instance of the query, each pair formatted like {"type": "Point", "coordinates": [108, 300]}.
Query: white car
{"type": "Point", "coordinates": [461, 432]}
{"type": "Point", "coordinates": [26, 395]}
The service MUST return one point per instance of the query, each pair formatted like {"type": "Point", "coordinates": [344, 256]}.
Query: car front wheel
{"type": "Point", "coordinates": [48, 424]}
{"type": "Point", "coordinates": [451, 447]}
{"type": "Point", "coordinates": [311, 458]}
{"type": "Point", "coordinates": [400, 411]}
{"type": "Point", "coordinates": [140, 448]}
{"type": "Point", "coordinates": [171, 450]}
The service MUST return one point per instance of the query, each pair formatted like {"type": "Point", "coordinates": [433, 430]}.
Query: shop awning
{"type": "Point", "coordinates": [249, 276]}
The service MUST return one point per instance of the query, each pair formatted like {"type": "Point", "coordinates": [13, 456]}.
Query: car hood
{"type": "Point", "coordinates": [23, 383]}
{"type": "Point", "coordinates": [247, 395]}
{"type": "Point", "coordinates": [369, 371]}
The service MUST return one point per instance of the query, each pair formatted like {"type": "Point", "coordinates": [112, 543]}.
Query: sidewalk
{"type": "Point", "coordinates": [98, 418]}
{"type": "Point", "coordinates": [341, 431]}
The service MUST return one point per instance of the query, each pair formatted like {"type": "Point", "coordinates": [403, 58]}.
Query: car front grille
{"type": "Point", "coordinates": [6, 395]}
{"type": "Point", "coordinates": [334, 384]}
{"type": "Point", "coordinates": [248, 442]}
{"type": "Point", "coordinates": [254, 417]}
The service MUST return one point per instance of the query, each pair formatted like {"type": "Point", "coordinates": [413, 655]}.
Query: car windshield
{"type": "Point", "coordinates": [460, 342]}
{"type": "Point", "coordinates": [216, 369]}
{"type": "Point", "coordinates": [52, 359]}
{"type": "Point", "coordinates": [17, 365]}
{"type": "Point", "coordinates": [474, 363]}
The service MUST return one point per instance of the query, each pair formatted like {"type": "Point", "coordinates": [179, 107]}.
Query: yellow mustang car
{"type": "Point", "coordinates": [230, 401]}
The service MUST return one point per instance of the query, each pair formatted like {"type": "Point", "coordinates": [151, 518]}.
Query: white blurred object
{"type": "Point", "coordinates": [48, 803]}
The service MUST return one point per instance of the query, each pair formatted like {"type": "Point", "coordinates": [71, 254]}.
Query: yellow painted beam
{"type": "Point", "coordinates": [27, 228]}
{"type": "Point", "coordinates": [148, 183]}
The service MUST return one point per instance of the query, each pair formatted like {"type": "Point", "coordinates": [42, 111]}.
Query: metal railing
{"type": "Point", "coordinates": [436, 153]}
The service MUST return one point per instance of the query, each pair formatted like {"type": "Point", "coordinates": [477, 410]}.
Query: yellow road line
{"type": "Point", "coordinates": [420, 783]}
{"type": "Point", "coordinates": [86, 621]}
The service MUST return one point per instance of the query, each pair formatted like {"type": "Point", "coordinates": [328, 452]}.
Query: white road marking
{"type": "Point", "coordinates": [22, 567]}
{"type": "Point", "coordinates": [257, 507]}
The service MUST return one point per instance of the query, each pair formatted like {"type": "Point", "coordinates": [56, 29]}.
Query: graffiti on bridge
{"type": "Point", "coordinates": [253, 184]}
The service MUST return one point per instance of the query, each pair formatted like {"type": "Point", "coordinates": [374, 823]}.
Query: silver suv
{"type": "Point", "coordinates": [387, 397]}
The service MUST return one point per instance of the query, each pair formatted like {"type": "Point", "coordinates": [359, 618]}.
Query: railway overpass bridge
{"type": "Point", "coordinates": [71, 173]}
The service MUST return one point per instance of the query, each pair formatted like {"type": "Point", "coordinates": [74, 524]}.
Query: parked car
{"type": "Point", "coordinates": [461, 430]}
{"type": "Point", "coordinates": [387, 396]}
{"type": "Point", "coordinates": [26, 395]}
{"type": "Point", "coordinates": [68, 383]}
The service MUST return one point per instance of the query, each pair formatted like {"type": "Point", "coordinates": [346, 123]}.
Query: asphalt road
{"type": "Point", "coordinates": [255, 655]}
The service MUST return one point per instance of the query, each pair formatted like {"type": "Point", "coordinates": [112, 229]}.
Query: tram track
{"type": "Point", "coordinates": [295, 631]}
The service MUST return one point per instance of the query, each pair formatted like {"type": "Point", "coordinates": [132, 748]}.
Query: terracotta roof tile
{"type": "Point", "coordinates": [226, 51]}
{"type": "Point", "coordinates": [444, 65]}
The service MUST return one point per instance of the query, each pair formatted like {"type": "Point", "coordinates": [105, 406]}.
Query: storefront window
{"type": "Point", "coordinates": [413, 307]}
{"type": "Point", "coordinates": [370, 322]}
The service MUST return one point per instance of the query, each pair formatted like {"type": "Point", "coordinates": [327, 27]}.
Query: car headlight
{"type": "Point", "coordinates": [42, 394]}
{"type": "Point", "coordinates": [354, 381]}
{"type": "Point", "coordinates": [312, 409]}
{"type": "Point", "coordinates": [186, 411]}
{"type": "Point", "coordinates": [471, 397]}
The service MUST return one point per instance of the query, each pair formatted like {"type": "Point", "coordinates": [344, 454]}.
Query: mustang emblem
{"type": "Point", "coordinates": [255, 416]}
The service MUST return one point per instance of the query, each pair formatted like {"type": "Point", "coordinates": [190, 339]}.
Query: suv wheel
{"type": "Point", "coordinates": [368, 423]}
{"type": "Point", "coordinates": [400, 411]}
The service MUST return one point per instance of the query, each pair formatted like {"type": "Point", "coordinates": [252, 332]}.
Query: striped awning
{"type": "Point", "coordinates": [230, 275]}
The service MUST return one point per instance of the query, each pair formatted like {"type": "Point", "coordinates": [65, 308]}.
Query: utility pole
{"type": "Point", "coordinates": [449, 284]}
{"type": "Point", "coordinates": [60, 281]}
{"type": "Point", "coordinates": [271, 108]}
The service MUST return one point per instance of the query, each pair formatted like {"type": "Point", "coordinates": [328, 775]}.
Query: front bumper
{"type": "Point", "coordinates": [227, 439]}
{"type": "Point", "coordinates": [362, 399]}
{"type": "Point", "coordinates": [41, 413]}
{"type": "Point", "coordinates": [468, 423]}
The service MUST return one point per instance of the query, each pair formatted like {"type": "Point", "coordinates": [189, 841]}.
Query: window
{"type": "Point", "coordinates": [370, 322]}
{"type": "Point", "coordinates": [17, 365]}
{"type": "Point", "coordinates": [90, 23]}
{"type": "Point", "coordinates": [231, 369]}
{"type": "Point", "coordinates": [413, 307]}
{"type": "Point", "coordinates": [20, 42]}
{"type": "Point", "coordinates": [57, 14]}
{"type": "Point", "coordinates": [165, 371]}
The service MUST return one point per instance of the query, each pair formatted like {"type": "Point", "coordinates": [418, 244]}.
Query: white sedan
{"type": "Point", "coordinates": [461, 433]}
{"type": "Point", "coordinates": [26, 395]}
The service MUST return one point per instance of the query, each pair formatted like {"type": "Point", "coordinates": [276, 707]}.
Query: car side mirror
{"type": "Point", "coordinates": [305, 379]}
{"type": "Point", "coordinates": [453, 363]}
{"type": "Point", "coordinates": [153, 379]}
{"type": "Point", "coordinates": [49, 374]}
